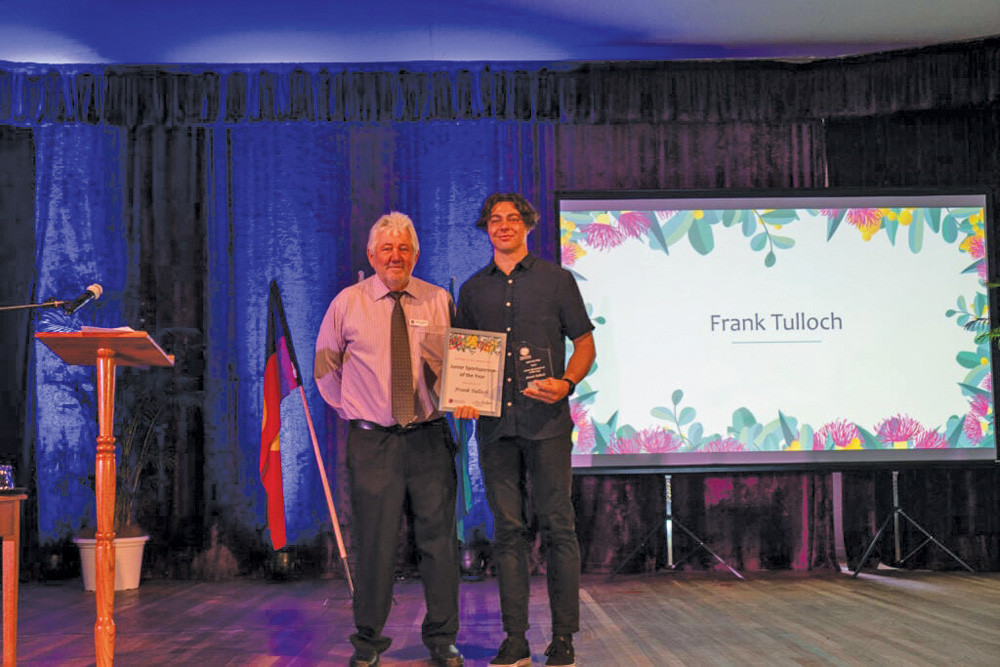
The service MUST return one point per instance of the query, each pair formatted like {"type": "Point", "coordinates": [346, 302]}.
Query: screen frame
{"type": "Point", "coordinates": [806, 460]}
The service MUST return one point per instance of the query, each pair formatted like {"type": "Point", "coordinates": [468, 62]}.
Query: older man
{"type": "Point", "coordinates": [538, 306]}
{"type": "Point", "coordinates": [378, 360]}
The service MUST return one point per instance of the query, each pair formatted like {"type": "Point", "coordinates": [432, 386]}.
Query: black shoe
{"type": "Point", "coordinates": [560, 652]}
{"type": "Point", "coordinates": [513, 652]}
{"type": "Point", "coordinates": [367, 658]}
{"type": "Point", "coordinates": [446, 656]}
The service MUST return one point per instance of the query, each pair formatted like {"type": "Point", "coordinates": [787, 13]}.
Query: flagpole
{"type": "Point", "coordinates": [329, 496]}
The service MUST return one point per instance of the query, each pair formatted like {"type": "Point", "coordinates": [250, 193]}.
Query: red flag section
{"type": "Point", "coordinates": [281, 376]}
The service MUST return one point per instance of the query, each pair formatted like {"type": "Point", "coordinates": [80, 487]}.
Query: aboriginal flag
{"type": "Point", "coordinates": [281, 376]}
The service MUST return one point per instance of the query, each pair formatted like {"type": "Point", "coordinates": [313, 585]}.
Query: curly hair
{"type": "Point", "coordinates": [523, 206]}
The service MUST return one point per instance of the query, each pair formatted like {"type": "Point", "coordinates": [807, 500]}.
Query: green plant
{"type": "Point", "coordinates": [982, 324]}
{"type": "Point", "coordinates": [143, 401]}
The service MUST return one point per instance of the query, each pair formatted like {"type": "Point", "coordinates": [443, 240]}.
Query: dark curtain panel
{"type": "Point", "coordinates": [164, 211]}
{"type": "Point", "coordinates": [958, 506]}
{"type": "Point", "coordinates": [17, 253]}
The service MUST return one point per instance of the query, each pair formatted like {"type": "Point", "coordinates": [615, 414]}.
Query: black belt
{"type": "Point", "coordinates": [366, 425]}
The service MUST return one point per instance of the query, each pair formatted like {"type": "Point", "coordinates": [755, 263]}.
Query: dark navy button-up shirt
{"type": "Point", "coordinates": [539, 303]}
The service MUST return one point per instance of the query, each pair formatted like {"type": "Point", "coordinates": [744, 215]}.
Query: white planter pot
{"type": "Point", "coordinates": [128, 561]}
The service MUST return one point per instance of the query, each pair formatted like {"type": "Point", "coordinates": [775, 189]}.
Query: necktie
{"type": "Point", "coordinates": [401, 366]}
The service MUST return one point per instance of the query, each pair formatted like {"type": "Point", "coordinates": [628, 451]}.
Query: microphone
{"type": "Point", "coordinates": [93, 292]}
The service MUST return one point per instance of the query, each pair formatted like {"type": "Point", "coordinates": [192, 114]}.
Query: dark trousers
{"type": "Point", "coordinates": [383, 470]}
{"type": "Point", "coordinates": [507, 464]}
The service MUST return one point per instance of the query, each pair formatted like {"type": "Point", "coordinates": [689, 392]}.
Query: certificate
{"type": "Point", "coordinates": [473, 371]}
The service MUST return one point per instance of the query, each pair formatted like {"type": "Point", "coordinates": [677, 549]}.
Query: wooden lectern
{"type": "Point", "coordinates": [106, 349]}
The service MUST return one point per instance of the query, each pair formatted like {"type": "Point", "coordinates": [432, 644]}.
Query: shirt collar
{"type": "Point", "coordinates": [526, 263]}
{"type": "Point", "coordinates": [378, 290]}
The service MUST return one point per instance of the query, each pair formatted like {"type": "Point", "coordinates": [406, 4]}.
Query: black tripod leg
{"type": "Point", "coordinates": [642, 543]}
{"type": "Point", "coordinates": [930, 538]}
{"type": "Point", "coordinates": [871, 545]}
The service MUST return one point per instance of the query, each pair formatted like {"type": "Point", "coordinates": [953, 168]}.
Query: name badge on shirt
{"type": "Point", "coordinates": [418, 323]}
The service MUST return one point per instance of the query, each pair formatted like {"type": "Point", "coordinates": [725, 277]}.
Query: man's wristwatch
{"type": "Point", "coordinates": [572, 385]}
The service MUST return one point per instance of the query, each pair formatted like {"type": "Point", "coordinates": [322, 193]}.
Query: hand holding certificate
{"type": "Point", "coordinates": [473, 371]}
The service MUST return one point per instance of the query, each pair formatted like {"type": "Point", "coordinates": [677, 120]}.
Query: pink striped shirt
{"type": "Point", "coordinates": [352, 349]}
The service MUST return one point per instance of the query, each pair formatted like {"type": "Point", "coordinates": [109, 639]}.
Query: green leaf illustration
{"type": "Point", "coordinates": [967, 359]}
{"type": "Point", "coordinates": [782, 242]}
{"type": "Point", "coordinates": [657, 233]}
{"type": "Point", "coordinates": [890, 227]}
{"type": "Point", "coordinates": [665, 414]}
{"type": "Point", "coordinates": [974, 267]}
{"type": "Point", "coordinates": [742, 418]}
{"type": "Point", "coordinates": [956, 432]}
{"type": "Point", "coordinates": [949, 229]}
{"type": "Point", "coordinates": [786, 429]}
{"type": "Point", "coordinates": [869, 441]}
{"type": "Point", "coordinates": [602, 432]}
{"type": "Point", "coordinates": [758, 242]}
{"type": "Point", "coordinates": [677, 397]}
{"type": "Point", "coordinates": [677, 226]}
{"type": "Point", "coordinates": [806, 436]}
{"type": "Point", "coordinates": [916, 237]}
{"type": "Point", "coordinates": [976, 391]}
{"type": "Point", "coordinates": [833, 223]}
{"type": "Point", "coordinates": [769, 259]}
{"type": "Point", "coordinates": [625, 432]}
{"type": "Point", "coordinates": [700, 236]}
{"type": "Point", "coordinates": [780, 216]}
{"type": "Point", "coordinates": [687, 416]}
{"type": "Point", "coordinates": [932, 216]}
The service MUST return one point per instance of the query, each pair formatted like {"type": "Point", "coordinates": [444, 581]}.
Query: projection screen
{"type": "Point", "coordinates": [794, 329]}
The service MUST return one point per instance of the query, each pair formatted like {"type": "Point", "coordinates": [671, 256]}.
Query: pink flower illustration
{"type": "Point", "coordinates": [987, 383]}
{"type": "Point", "coordinates": [867, 220]}
{"type": "Point", "coordinates": [973, 428]}
{"type": "Point", "coordinates": [584, 428]}
{"type": "Point", "coordinates": [898, 429]}
{"type": "Point", "coordinates": [658, 440]}
{"type": "Point", "coordinates": [976, 247]}
{"type": "Point", "coordinates": [633, 223]}
{"type": "Point", "coordinates": [980, 406]}
{"type": "Point", "coordinates": [570, 253]}
{"type": "Point", "coordinates": [625, 446]}
{"type": "Point", "coordinates": [602, 236]}
{"type": "Point", "coordinates": [723, 445]}
{"type": "Point", "coordinates": [930, 440]}
{"type": "Point", "coordinates": [843, 433]}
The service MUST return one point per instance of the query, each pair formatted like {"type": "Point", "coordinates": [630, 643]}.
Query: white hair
{"type": "Point", "coordinates": [393, 222]}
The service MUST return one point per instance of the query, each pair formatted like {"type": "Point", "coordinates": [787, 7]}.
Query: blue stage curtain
{"type": "Point", "coordinates": [301, 198]}
{"type": "Point", "coordinates": [80, 240]}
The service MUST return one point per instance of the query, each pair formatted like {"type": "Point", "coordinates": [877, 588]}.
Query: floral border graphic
{"type": "Point", "coordinates": [771, 232]}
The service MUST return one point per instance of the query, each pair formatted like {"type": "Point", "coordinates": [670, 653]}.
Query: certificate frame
{"type": "Point", "coordinates": [473, 370]}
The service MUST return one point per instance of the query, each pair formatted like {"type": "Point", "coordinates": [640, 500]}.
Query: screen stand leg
{"type": "Point", "coordinates": [894, 516]}
{"type": "Point", "coordinates": [668, 526]}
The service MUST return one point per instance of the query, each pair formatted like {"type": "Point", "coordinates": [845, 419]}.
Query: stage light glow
{"type": "Point", "coordinates": [293, 46]}
{"type": "Point", "coordinates": [30, 45]}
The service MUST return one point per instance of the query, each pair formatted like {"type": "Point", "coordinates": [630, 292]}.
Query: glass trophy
{"type": "Point", "coordinates": [532, 362]}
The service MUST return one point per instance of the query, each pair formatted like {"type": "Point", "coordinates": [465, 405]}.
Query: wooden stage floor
{"type": "Point", "coordinates": [886, 617]}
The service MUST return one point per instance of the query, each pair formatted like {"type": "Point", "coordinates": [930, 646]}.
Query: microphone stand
{"type": "Point", "coordinates": [51, 303]}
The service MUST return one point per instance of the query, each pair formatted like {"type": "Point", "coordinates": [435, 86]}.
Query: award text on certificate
{"type": "Point", "coordinates": [473, 370]}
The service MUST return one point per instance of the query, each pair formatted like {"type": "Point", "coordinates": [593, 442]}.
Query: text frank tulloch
{"type": "Point", "coordinates": [799, 321]}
